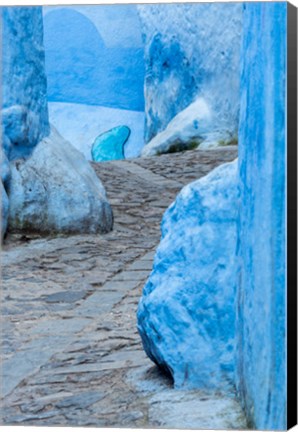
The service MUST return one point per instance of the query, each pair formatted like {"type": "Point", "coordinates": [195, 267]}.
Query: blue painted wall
{"type": "Point", "coordinates": [192, 50]}
{"type": "Point", "coordinates": [262, 151]}
{"type": "Point", "coordinates": [24, 110]}
{"type": "Point", "coordinates": [92, 57]}
{"type": "Point", "coordinates": [24, 88]}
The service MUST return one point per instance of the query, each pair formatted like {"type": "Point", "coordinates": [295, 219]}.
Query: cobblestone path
{"type": "Point", "coordinates": [71, 352]}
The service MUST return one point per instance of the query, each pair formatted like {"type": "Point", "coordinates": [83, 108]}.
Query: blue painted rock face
{"type": "Point", "coordinates": [186, 316]}
{"type": "Point", "coordinates": [5, 177]}
{"type": "Point", "coordinates": [182, 65]}
{"type": "Point", "coordinates": [110, 144]}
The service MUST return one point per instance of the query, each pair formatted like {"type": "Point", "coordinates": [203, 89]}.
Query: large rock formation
{"type": "Point", "coordinates": [262, 252]}
{"type": "Point", "coordinates": [56, 191]}
{"type": "Point", "coordinates": [191, 51]}
{"type": "Point", "coordinates": [189, 129]}
{"type": "Point", "coordinates": [52, 188]}
{"type": "Point", "coordinates": [5, 177]}
{"type": "Point", "coordinates": [3, 210]}
{"type": "Point", "coordinates": [186, 316]}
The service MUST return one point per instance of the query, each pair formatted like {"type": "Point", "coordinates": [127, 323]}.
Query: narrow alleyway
{"type": "Point", "coordinates": [71, 351]}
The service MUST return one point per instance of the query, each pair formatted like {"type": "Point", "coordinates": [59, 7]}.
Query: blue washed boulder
{"type": "Point", "coordinates": [4, 210]}
{"type": "Point", "coordinates": [5, 177]}
{"type": "Point", "coordinates": [55, 191]}
{"type": "Point", "coordinates": [5, 169]}
{"type": "Point", "coordinates": [186, 316]}
{"type": "Point", "coordinates": [110, 145]}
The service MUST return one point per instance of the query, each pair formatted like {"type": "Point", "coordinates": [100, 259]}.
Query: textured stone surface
{"type": "Point", "coordinates": [180, 410]}
{"type": "Point", "coordinates": [5, 176]}
{"type": "Point", "coordinates": [191, 51]}
{"type": "Point", "coordinates": [24, 103]}
{"type": "Point", "coordinates": [110, 144]}
{"type": "Point", "coordinates": [262, 227]}
{"type": "Point", "coordinates": [56, 191]}
{"type": "Point", "coordinates": [5, 169]}
{"type": "Point", "coordinates": [189, 129]}
{"type": "Point", "coordinates": [97, 374]}
{"type": "Point", "coordinates": [185, 129]}
{"type": "Point", "coordinates": [4, 210]}
{"type": "Point", "coordinates": [186, 317]}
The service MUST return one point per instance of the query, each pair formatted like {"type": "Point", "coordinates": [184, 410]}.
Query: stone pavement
{"type": "Point", "coordinates": [71, 354]}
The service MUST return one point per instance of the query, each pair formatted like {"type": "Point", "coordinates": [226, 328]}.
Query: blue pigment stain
{"type": "Point", "coordinates": [110, 144]}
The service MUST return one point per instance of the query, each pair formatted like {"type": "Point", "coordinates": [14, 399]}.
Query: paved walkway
{"type": "Point", "coordinates": [71, 352]}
